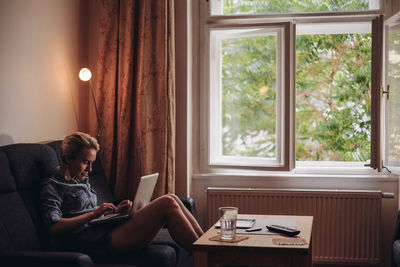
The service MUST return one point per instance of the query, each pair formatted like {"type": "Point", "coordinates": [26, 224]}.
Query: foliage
{"type": "Point", "coordinates": [393, 126]}
{"type": "Point", "coordinates": [332, 91]}
{"type": "Point", "coordinates": [292, 6]}
{"type": "Point", "coordinates": [333, 97]}
{"type": "Point", "coordinates": [249, 96]}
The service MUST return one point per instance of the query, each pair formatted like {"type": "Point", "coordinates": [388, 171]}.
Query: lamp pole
{"type": "Point", "coordinates": [86, 75]}
{"type": "Point", "coordinates": [97, 112]}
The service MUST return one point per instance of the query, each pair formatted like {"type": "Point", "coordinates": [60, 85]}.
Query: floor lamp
{"type": "Point", "coordinates": [85, 75]}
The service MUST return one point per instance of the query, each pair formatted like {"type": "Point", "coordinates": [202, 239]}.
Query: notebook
{"type": "Point", "coordinates": [143, 196]}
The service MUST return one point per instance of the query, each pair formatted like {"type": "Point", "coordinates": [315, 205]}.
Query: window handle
{"type": "Point", "coordinates": [386, 92]}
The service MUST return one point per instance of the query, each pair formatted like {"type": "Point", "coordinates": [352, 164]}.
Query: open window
{"type": "Point", "coordinates": [244, 7]}
{"type": "Point", "coordinates": [333, 93]}
{"type": "Point", "coordinates": [249, 95]}
{"type": "Point", "coordinates": [280, 91]}
{"type": "Point", "coordinates": [391, 94]}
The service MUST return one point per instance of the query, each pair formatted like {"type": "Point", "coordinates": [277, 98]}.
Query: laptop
{"type": "Point", "coordinates": [142, 197]}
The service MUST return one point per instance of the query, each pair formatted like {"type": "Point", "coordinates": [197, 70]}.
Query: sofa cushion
{"type": "Point", "coordinates": [184, 258]}
{"type": "Point", "coordinates": [396, 253]}
{"type": "Point", "coordinates": [27, 165]}
{"type": "Point", "coordinates": [153, 255]}
{"type": "Point", "coordinates": [7, 182]}
{"type": "Point", "coordinates": [17, 230]}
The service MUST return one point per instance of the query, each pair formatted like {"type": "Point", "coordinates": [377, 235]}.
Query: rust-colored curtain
{"type": "Point", "coordinates": [136, 93]}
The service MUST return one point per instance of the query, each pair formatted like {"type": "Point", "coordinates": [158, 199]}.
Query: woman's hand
{"type": "Point", "coordinates": [103, 209]}
{"type": "Point", "coordinates": [125, 205]}
{"type": "Point", "coordinates": [68, 224]}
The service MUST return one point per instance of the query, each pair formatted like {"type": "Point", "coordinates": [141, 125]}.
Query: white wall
{"type": "Point", "coordinates": [182, 36]}
{"type": "Point", "coordinates": [39, 61]}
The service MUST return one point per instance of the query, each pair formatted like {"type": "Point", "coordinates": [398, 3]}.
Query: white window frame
{"type": "Point", "coordinates": [392, 165]}
{"type": "Point", "coordinates": [217, 5]}
{"type": "Point", "coordinates": [215, 149]}
{"type": "Point", "coordinates": [359, 26]}
{"type": "Point", "coordinates": [206, 163]}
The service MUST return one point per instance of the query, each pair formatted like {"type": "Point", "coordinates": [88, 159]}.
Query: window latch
{"type": "Point", "coordinates": [386, 92]}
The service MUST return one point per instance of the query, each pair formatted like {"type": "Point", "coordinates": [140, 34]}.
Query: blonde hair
{"type": "Point", "coordinates": [74, 144]}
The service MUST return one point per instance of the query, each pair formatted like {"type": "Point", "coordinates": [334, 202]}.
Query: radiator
{"type": "Point", "coordinates": [347, 224]}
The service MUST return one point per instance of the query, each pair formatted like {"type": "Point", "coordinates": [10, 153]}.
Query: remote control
{"type": "Point", "coordinates": [283, 230]}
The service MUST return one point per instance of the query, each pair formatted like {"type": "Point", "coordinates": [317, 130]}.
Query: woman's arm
{"type": "Point", "coordinates": [70, 224]}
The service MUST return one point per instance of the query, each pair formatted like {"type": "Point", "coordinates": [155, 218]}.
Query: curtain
{"type": "Point", "coordinates": [135, 88]}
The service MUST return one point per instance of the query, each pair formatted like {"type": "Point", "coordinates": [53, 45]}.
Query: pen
{"type": "Point", "coordinates": [253, 229]}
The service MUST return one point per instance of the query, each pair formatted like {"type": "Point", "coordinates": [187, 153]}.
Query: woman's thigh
{"type": "Point", "coordinates": [144, 225]}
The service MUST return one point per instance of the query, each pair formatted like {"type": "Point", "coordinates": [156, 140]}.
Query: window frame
{"type": "Point", "coordinates": [288, 152]}
{"type": "Point", "coordinates": [392, 165]}
{"type": "Point", "coordinates": [215, 157]}
{"type": "Point", "coordinates": [211, 3]}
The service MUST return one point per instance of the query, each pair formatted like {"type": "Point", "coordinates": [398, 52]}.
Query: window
{"type": "Point", "coordinates": [236, 7]}
{"type": "Point", "coordinates": [281, 88]}
{"type": "Point", "coordinates": [246, 91]}
{"type": "Point", "coordinates": [333, 100]}
{"type": "Point", "coordinates": [391, 94]}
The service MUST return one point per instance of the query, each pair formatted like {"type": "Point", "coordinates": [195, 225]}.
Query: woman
{"type": "Point", "coordinates": [68, 204]}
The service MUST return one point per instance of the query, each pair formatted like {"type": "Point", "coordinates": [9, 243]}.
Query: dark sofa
{"type": "Point", "coordinates": [396, 243]}
{"type": "Point", "coordinates": [24, 241]}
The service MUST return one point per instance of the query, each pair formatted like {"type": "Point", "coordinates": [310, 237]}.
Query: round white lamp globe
{"type": "Point", "coordinates": [85, 74]}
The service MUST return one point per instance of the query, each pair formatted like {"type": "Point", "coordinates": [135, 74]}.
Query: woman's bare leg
{"type": "Point", "coordinates": [188, 215]}
{"type": "Point", "coordinates": [147, 222]}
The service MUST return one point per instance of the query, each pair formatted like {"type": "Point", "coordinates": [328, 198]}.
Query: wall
{"type": "Point", "coordinates": [41, 50]}
{"type": "Point", "coordinates": [182, 36]}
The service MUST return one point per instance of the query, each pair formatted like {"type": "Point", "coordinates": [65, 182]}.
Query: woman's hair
{"type": "Point", "coordinates": [74, 144]}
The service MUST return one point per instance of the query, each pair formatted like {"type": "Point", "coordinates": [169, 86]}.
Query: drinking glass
{"type": "Point", "coordinates": [227, 219]}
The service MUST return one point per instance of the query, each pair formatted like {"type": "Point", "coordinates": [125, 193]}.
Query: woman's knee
{"type": "Point", "coordinates": [174, 197]}
{"type": "Point", "coordinates": [169, 202]}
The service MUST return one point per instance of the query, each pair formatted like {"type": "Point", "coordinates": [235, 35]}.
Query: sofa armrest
{"type": "Point", "coordinates": [397, 227]}
{"type": "Point", "coordinates": [190, 205]}
{"type": "Point", "coordinates": [396, 242]}
{"type": "Point", "coordinates": [44, 259]}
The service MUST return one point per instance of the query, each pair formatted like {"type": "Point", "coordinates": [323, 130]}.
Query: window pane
{"type": "Point", "coordinates": [249, 96]}
{"type": "Point", "coordinates": [393, 119]}
{"type": "Point", "coordinates": [238, 7]}
{"type": "Point", "coordinates": [333, 76]}
{"type": "Point", "coordinates": [245, 94]}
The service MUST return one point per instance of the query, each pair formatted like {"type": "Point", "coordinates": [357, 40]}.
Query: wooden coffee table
{"type": "Point", "coordinates": [257, 250]}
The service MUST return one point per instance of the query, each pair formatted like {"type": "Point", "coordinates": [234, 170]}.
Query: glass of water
{"type": "Point", "coordinates": [227, 219]}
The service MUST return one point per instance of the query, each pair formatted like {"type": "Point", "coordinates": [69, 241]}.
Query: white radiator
{"type": "Point", "coordinates": [347, 224]}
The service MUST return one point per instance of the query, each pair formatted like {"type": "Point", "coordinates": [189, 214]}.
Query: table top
{"type": "Point", "coordinates": [303, 223]}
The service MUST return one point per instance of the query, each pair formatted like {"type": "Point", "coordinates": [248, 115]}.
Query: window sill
{"type": "Point", "coordinates": [300, 172]}
{"type": "Point", "coordinates": [335, 168]}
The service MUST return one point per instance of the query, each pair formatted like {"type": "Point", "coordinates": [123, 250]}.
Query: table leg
{"type": "Point", "coordinates": [200, 259]}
